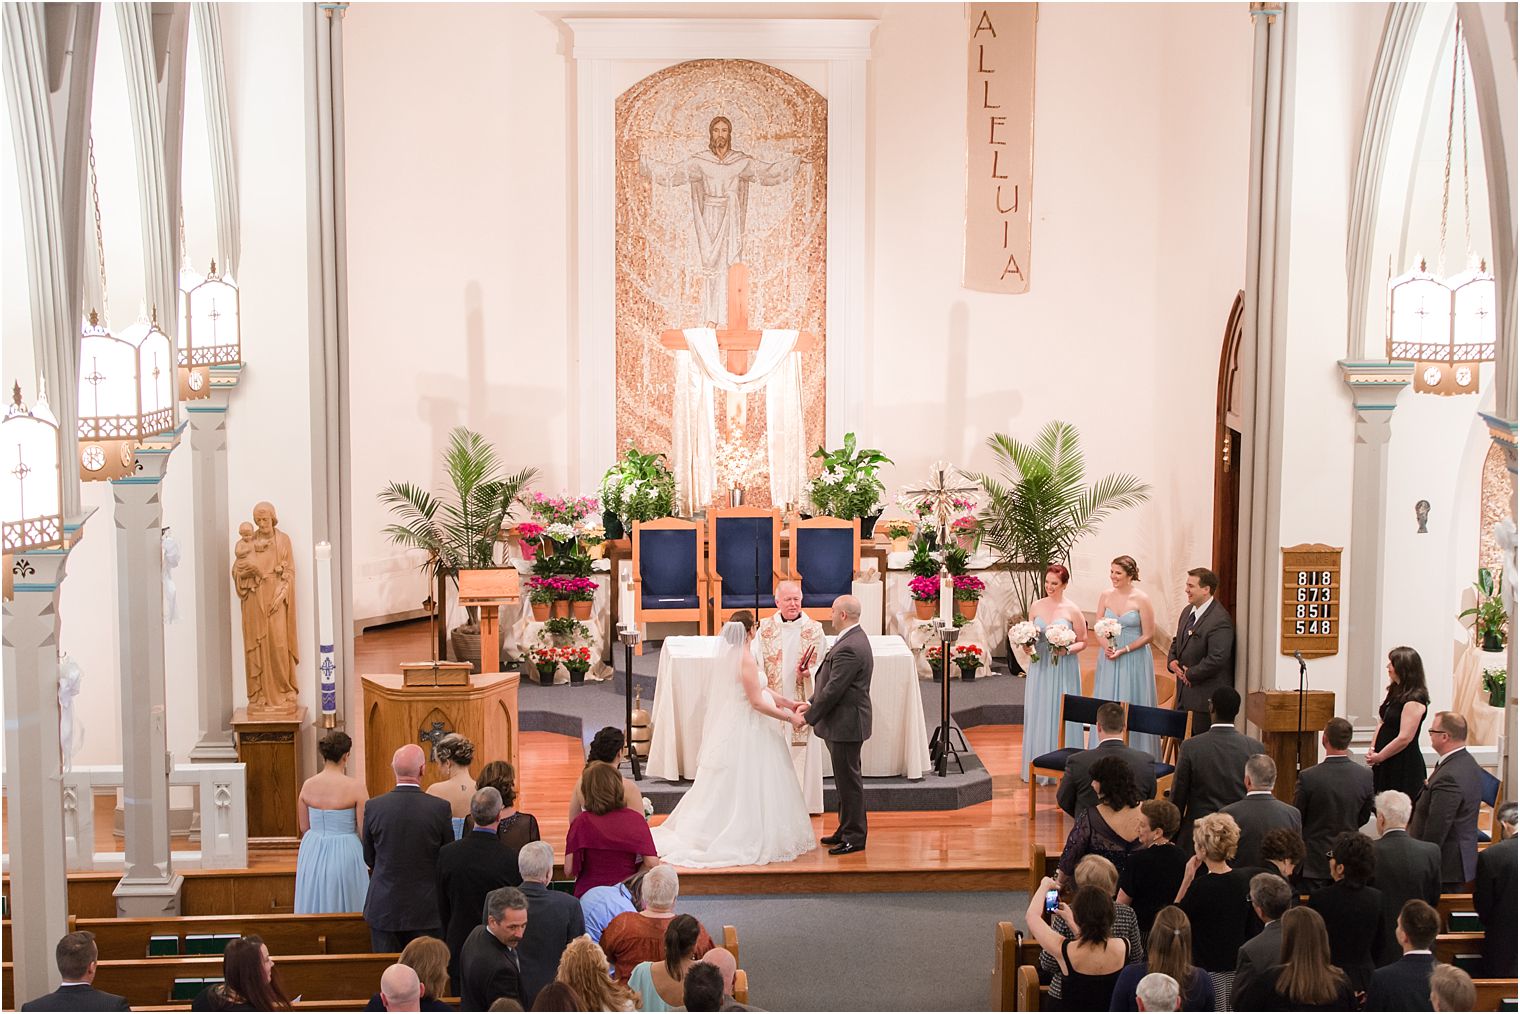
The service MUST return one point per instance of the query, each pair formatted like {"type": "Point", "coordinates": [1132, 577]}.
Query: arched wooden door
{"type": "Point", "coordinates": [1227, 441]}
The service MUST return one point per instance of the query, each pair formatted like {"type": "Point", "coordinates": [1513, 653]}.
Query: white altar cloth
{"type": "Point", "coordinates": [899, 743]}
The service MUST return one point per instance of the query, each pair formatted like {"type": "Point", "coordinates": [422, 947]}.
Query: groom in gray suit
{"type": "Point", "coordinates": [840, 711]}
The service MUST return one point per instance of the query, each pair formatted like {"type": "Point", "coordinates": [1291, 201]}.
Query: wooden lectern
{"type": "Point", "coordinates": [488, 591]}
{"type": "Point", "coordinates": [1275, 714]}
{"type": "Point", "coordinates": [484, 711]}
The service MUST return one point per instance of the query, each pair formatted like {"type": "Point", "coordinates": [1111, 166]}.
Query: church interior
{"type": "Point", "coordinates": [1207, 311]}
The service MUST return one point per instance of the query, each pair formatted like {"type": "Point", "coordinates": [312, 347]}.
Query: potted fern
{"type": "Point", "coordinates": [458, 526]}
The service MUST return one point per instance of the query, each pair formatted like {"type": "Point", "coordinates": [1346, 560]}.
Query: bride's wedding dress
{"type": "Point", "coordinates": [745, 807]}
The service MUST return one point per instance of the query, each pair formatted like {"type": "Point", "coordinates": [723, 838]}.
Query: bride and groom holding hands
{"type": "Point", "coordinates": [746, 805]}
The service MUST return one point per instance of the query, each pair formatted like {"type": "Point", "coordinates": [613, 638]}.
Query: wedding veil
{"type": "Point", "coordinates": [726, 703]}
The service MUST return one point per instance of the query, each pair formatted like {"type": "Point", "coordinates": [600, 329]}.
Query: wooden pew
{"type": "Point", "coordinates": [1491, 992]}
{"type": "Point", "coordinates": [1029, 990]}
{"type": "Point", "coordinates": [731, 942]}
{"type": "Point", "coordinates": [1040, 866]}
{"type": "Point", "coordinates": [1449, 945]}
{"type": "Point", "coordinates": [741, 986]}
{"type": "Point", "coordinates": [127, 939]}
{"type": "Point", "coordinates": [1004, 967]}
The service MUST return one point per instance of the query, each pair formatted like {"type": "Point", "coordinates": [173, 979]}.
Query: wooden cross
{"type": "Point", "coordinates": [737, 340]}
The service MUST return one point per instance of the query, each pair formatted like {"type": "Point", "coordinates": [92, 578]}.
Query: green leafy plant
{"type": "Point", "coordinates": [1495, 681]}
{"type": "Point", "coordinates": [1490, 619]}
{"type": "Point", "coordinates": [955, 560]}
{"type": "Point", "coordinates": [900, 529]}
{"type": "Point", "coordinates": [639, 487]}
{"type": "Point", "coordinates": [848, 486]}
{"type": "Point", "coordinates": [565, 626]}
{"type": "Point", "coordinates": [923, 563]}
{"type": "Point", "coordinates": [1040, 506]}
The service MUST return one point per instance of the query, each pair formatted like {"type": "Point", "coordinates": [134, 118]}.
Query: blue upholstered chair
{"type": "Point", "coordinates": [825, 561]}
{"type": "Point", "coordinates": [743, 561]}
{"type": "Point", "coordinates": [1489, 795]}
{"type": "Point", "coordinates": [1080, 710]}
{"type": "Point", "coordinates": [668, 583]}
{"type": "Point", "coordinates": [1168, 723]}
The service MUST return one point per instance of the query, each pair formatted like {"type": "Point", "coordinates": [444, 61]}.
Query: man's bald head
{"type": "Point", "coordinates": [846, 611]}
{"type": "Point", "coordinates": [408, 762]}
{"type": "Point", "coordinates": [400, 988]}
{"type": "Point", "coordinates": [723, 960]}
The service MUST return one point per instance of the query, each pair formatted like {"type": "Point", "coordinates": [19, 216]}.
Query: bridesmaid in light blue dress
{"type": "Point", "coordinates": [330, 871]}
{"type": "Point", "coordinates": [1053, 676]}
{"type": "Point", "coordinates": [1126, 670]}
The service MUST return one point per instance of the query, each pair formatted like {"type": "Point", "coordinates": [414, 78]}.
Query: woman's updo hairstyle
{"type": "Point", "coordinates": [1128, 565]}
{"type": "Point", "coordinates": [454, 749]}
{"type": "Point", "coordinates": [1059, 571]}
{"type": "Point", "coordinates": [335, 746]}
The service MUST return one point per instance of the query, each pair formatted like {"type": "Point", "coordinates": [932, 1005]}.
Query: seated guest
{"type": "Point", "coordinates": [703, 988]}
{"type": "Point", "coordinates": [1094, 871]}
{"type": "Point", "coordinates": [557, 996]}
{"type": "Point", "coordinates": [1332, 797]}
{"type": "Point", "coordinates": [454, 754]}
{"type": "Point", "coordinates": [1451, 989]}
{"type": "Point", "coordinates": [400, 989]}
{"type": "Point", "coordinates": [554, 919]}
{"type": "Point", "coordinates": [77, 958]}
{"type": "Point", "coordinates": [1352, 910]}
{"type": "Point", "coordinates": [1169, 952]}
{"type": "Point", "coordinates": [1112, 828]}
{"type": "Point", "coordinates": [1405, 984]}
{"type": "Point", "coordinates": [601, 905]}
{"type": "Point", "coordinates": [1494, 894]}
{"type": "Point", "coordinates": [1447, 810]}
{"type": "Point", "coordinates": [1211, 765]}
{"type": "Point", "coordinates": [640, 936]}
{"type": "Point", "coordinates": [607, 841]}
{"type": "Point", "coordinates": [724, 961]}
{"type": "Point", "coordinates": [1270, 898]}
{"type": "Point", "coordinates": [248, 981]}
{"type": "Point", "coordinates": [515, 829]}
{"type": "Point", "coordinates": [583, 967]}
{"type": "Point", "coordinates": [1216, 898]}
{"type": "Point", "coordinates": [1090, 964]}
{"type": "Point", "coordinates": [659, 984]}
{"type": "Point", "coordinates": [1404, 867]}
{"type": "Point", "coordinates": [1157, 992]}
{"type": "Point", "coordinates": [330, 871]}
{"type": "Point", "coordinates": [470, 869]}
{"type": "Point", "coordinates": [1153, 873]}
{"type": "Point", "coordinates": [1075, 793]}
{"type": "Point", "coordinates": [1305, 979]}
{"type": "Point", "coordinates": [429, 958]}
{"type": "Point", "coordinates": [1260, 811]}
{"type": "Point", "coordinates": [489, 960]}
{"type": "Point", "coordinates": [607, 748]}
{"type": "Point", "coordinates": [1282, 852]}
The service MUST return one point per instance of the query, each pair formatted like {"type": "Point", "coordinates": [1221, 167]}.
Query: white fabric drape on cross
{"type": "Point", "coordinates": [700, 369]}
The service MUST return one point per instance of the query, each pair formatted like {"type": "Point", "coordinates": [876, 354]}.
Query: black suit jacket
{"type": "Point", "coordinates": [468, 870]}
{"type": "Point", "coordinates": [1208, 655]}
{"type": "Point", "coordinates": [1403, 985]}
{"type": "Point", "coordinates": [487, 971]}
{"type": "Point", "coordinates": [1333, 796]}
{"type": "Point", "coordinates": [1406, 868]}
{"type": "Point", "coordinates": [1211, 774]}
{"type": "Point", "coordinates": [1494, 893]}
{"type": "Point", "coordinates": [1075, 792]}
{"type": "Point", "coordinates": [840, 708]}
{"type": "Point", "coordinates": [554, 919]}
{"type": "Point", "coordinates": [1447, 815]}
{"type": "Point", "coordinates": [1257, 815]}
{"type": "Point", "coordinates": [404, 829]}
{"type": "Point", "coordinates": [1354, 919]}
{"type": "Point", "coordinates": [1256, 955]}
{"type": "Point", "coordinates": [77, 998]}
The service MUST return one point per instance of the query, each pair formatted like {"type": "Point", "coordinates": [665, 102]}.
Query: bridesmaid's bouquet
{"type": "Point", "coordinates": [1107, 628]}
{"type": "Point", "coordinates": [1061, 638]}
{"type": "Point", "coordinates": [1022, 636]}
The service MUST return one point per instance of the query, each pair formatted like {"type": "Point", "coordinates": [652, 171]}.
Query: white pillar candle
{"type": "Point", "coordinates": [625, 594]}
{"type": "Point", "coordinates": [946, 597]}
{"type": "Point", "coordinates": [327, 666]}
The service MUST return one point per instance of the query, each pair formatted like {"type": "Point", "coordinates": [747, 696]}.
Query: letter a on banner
{"type": "Point", "coordinates": [999, 145]}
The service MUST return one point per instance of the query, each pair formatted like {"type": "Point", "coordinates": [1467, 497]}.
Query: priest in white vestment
{"type": "Point", "coordinates": [786, 639]}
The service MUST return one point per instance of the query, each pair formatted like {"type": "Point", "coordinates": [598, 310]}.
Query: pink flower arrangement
{"type": "Point", "coordinates": [968, 587]}
{"type": "Point", "coordinates": [528, 530]}
{"type": "Point", "coordinates": [559, 509]}
{"type": "Point", "coordinates": [577, 589]}
{"type": "Point", "coordinates": [964, 525]}
{"type": "Point", "coordinates": [541, 589]}
{"type": "Point", "coordinates": [924, 589]}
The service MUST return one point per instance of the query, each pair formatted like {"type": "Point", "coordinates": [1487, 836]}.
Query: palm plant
{"type": "Point", "coordinates": [458, 527]}
{"type": "Point", "coordinates": [1040, 506]}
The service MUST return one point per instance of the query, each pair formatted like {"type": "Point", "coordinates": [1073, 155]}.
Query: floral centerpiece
{"type": "Point", "coordinates": [967, 531]}
{"type": "Point", "coordinates": [934, 654]}
{"type": "Point", "coordinates": [541, 593]}
{"type": "Point", "coordinates": [900, 532]}
{"type": "Point", "coordinates": [593, 537]}
{"type": "Point", "coordinates": [639, 487]}
{"type": "Point", "coordinates": [968, 589]}
{"type": "Point", "coordinates": [969, 658]}
{"type": "Point", "coordinates": [546, 662]}
{"type": "Point", "coordinates": [925, 593]}
{"type": "Point", "coordinates": [848, 486]}
{"type": "Point", "coordinates": [1495, 681]}
{"type": "Point", "coordinates": [1060, 638]}
{"type": "Point", "coordinates": [576, 660]}
{"type": "Point", "coordinates": [1022, 636]}
{"type": "Point", "coordinates": [528, 534]}
{"type": "Point", "coordinates": [580, 591]}
{"type": "Point", "coordinates": [1107, 628]}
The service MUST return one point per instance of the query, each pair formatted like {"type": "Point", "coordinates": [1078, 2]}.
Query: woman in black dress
{"type": "Point", "coordinates": [1112, 828]}
{"type": "Point", "coordinates": [1150, 879]}
{"type": "Point", "coordinates": [1216, 899]}
{"type": "Point", "coordinates": [1395, 753]}
{"type": "Point", "coordinates": [1353, 912]}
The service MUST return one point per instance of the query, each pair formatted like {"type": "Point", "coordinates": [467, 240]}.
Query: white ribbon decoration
{"type": "Point", "coordinates": [70, 737]}
{"type": "Point", "coordinates": [171, 552]}
{"type": "Point", "coordinates": [774, 348]}
{"type": "Point", "coordinates": [1505, 536]}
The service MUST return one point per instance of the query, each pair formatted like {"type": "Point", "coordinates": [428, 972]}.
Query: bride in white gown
{"type": "Point", "coordinates": [745, 807]}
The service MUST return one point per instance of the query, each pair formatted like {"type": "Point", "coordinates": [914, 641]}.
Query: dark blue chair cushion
{"type": "Point", "coordinates": [1490, 790]}
{"type": "Point", "coordinates": [1162, 770]}
{"type": "Point", "coordinates": [668, 569]}
{"type": "Point", "coordinates": [826, 560]}
{"type": "Point", "coordinates": [743, 555]}
{"type": "Point", "coordinates": [1080, 710]}
{"type": "Point", "coordinates": [1055, 760]}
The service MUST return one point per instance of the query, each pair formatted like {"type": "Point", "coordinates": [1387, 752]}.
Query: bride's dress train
{"type": "Point", "coordinates": [745, 807]}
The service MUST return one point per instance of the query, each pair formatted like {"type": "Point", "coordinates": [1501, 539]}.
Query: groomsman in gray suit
{"type": "Point", "coordinates": [1334, 796]}
{"type": "Point", "coordinates": [840, 711]}
{"type": "Point", "coordinates": [1202, 656]}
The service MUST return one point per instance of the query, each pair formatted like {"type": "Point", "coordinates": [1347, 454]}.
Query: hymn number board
{"type": "Point", "coordinates": [1311, 600]}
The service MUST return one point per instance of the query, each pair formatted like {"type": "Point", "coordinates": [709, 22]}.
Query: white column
{"type": "Point", "coordinates": [213, 582]}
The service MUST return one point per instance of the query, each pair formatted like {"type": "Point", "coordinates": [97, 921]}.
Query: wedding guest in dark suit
{"type": "Point", "coordinates": [1075, 792]}
{"type": "Point", "coordinates": [1404, 868]}
{"type": "Point", "coordinates": [1260, 811]}
{"type": "Point", "coordinates": [1306, 979]}
{"type": "Point", "coordinates": [1352, 911]}
{"type": "Point", "coordinates": [1447, 811]}
{"type": "Point", "coordinates": [840, 712]}
{"type": "Point", "coordinates": [1270, 898]}
{"type": "Point", "coordinates": [489, 965]}
{"type": "Point", "coordinates": [1334, 796]}
{"type": "Point", "coordinates": [1211, 767]}
{"type": "Point", "coordinates": [1151, 877]}
{"type": "Point", "coordinates": [554, 919]}
{"type": "Point", "coordinates": [471, 868]}
{"type": "Point", "coordinates": [1405, 984]}
{"type": "Point", "coordinates": [404, 830]}
{"type": "Point", "coordinates": [1202, 656]}
{"type": "Point", "coordinates": [76, 956]}
{"type": "Point", "coordinates": [1494, 892]}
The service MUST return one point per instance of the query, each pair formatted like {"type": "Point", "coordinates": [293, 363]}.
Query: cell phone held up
{"type": "Point", "coordinates": [1052, 899]}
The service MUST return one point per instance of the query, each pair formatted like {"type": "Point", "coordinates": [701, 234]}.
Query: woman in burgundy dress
{"type": "Point", "coordinates": [608, 842]}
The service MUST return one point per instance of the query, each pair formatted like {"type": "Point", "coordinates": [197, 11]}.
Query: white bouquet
{"type": "Point", "coordinates": [1107, 628]}
{"type": "Point", "coordinates": [1060, 638]}
{"type": "Point", "coordinates": [1022, 636]}
{"type": "Point", "coordinates": [560, 532]}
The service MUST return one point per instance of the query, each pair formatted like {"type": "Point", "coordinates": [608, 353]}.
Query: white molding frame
{"type": "Point", "coordinates": [599, 43]}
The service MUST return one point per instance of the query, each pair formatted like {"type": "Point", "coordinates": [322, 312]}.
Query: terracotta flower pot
{"type": "Point", "coordinates": [580, 610]}
{"type": "Point", "coordinates": [561, 607]}
{"type": "Point", "coordinates": [967, 608]}
{"type": "Point", "coordinates": [923, 609]}
{"type": "Point", "coordinates": [540, 611]}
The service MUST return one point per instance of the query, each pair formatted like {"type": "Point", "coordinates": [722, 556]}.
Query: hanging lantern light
{"type": "Point", "coordinates": [125, 395]}
{"type": "Point", "coordinates": [31, 506]}
{"type": "Point", "coordinates": [155, 375]}
{"type": "Point", "coordinates": [1446, 327]}
{"type": "Point", "coordinates": [1473, 327]}
{"type": "Point", "coordinates": [210, 333]}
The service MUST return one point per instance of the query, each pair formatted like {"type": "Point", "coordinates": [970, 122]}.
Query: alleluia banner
{"type": "Point", "coordinates": [999, 145]}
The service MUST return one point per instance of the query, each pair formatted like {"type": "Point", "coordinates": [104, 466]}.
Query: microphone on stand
{"type": "Point", "coordinates": [1298, 741]}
